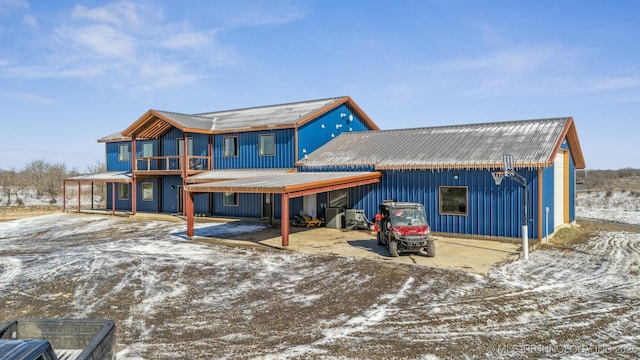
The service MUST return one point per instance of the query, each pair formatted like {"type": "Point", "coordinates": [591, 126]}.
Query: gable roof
{"type": "Point", "coordinates": [533, 144]}
{"type": "Point", "coordinates": [155, 123]}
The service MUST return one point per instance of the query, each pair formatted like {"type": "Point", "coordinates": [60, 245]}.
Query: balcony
{"type": "Point", "coordinates": [170, 165]}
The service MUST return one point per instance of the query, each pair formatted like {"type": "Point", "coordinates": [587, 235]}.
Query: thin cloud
{"type": "Point", "coordinates": [8, 6]}
{"type": "Point", "coordinates": [267, 13]}
{"type": "Point", "coordinates": [128, 45]}
{"type": "Point", "coordinates": [30, 21]}
{"type": "Point", "coordinates": [31, 98]}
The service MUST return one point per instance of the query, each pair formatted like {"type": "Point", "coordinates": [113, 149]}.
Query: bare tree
{"type": "Point", "coordinates": [7, 181]}
{"type": "Point", "coordinates": [36, 174]}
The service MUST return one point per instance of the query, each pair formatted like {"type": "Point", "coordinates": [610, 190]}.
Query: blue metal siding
{"type": "Point", "coordinates": [249, 205]}
{"type": "Point", "coordinates": [112, 157]}
{"type": "Point", "coordinates": [149, 206]}
{"type": "Point", "coordinates": [548, 180]}
{"type": "Point", "coordinates": [321, 130]}
{"type": "Point", "coordinates": [121, 205]}
{"type": "Point", "coordinates": [295, 206]}
{"type": "Point", "coordinates": [169, 195]}
{"type": "Point", "coordinates": [491, 210]}
{"type": "Point", "coordinates": [248, 157]}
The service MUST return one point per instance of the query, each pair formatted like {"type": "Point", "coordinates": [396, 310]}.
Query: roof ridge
{"type": "Point", "coordinates": [268, 106]}
{"type": "Point", "coordinates": [177, 113]}
{"type": "Point", "coordinates": [507, 122]}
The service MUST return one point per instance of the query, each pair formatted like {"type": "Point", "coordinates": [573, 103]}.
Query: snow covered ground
{"type": "Point", "coordinates": [617, 206]}
{"type": "Point", "coordinates": [174, 298]}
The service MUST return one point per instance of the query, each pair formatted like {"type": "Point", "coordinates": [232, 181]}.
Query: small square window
{"type": "Point", "coordinates": [267, 145]}
{"type": "Point", "coordinates": [147, 191]}
{"type": "Point", "coordinates": [230, 199]}
{"type": "Point", "coordinates": [231, 146]}
{"type": "Point", "coordinates": [123, 191]}
{"type": "Point", "coordinates": [123, 152]}
{"type": "Point", "coordinates": [453, 200]}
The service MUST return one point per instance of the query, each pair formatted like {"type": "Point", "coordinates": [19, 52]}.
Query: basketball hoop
{"type": "Point", "coordinates": [497, 176]}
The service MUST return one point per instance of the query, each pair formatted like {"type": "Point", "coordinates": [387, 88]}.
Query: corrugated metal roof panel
{"type": "Point", "coordinates": [111, 176]}
{"type": "Point", "coordinates": [265, 116]}
{"type": "Point", "coordinates": [219, 175]}
{"type": "Point", "coordinates": [280, 183]}
{"type": "Point", "coordinates": [462, 146]}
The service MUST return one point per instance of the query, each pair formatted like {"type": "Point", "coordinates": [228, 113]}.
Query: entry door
{"type": "Point", "coordinates": [310, 205]}
{"type": "Point", "coordinates": [266, 206]}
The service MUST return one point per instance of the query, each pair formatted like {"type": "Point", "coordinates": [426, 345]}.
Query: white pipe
{"type": "Point", "coordinates": [525, 242]}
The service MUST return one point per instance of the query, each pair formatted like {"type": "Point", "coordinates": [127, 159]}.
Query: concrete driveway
{"type": "Point", "coordinates": [470, 255]}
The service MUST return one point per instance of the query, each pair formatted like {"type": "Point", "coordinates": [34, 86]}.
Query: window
{"type": "Point", "coordinates": [453, 200]}
{"type": "Point", "coordinates": [338, 198]}
{"type": "Point", "coordinates": [267, 145]}
{"type": "Point", "coordinates": [147, 149]}
{"type": "Point", "coordinates": [230, 199]}
{"type": "Point", "coordinates": [123, 191]}
{"type": "Point", "coordinates": [231, 146]}
{"type": "Point", "coordinates": [189, 146]}
{"type": "Point", "coordinates": [123, 152]}
{"type": "Point", "coordinates": [147, 191]}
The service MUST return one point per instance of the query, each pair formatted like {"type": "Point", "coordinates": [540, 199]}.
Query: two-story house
{"type": "Point", "coordinates": [149, 163]}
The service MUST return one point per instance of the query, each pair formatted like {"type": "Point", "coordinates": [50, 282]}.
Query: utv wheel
{"type": "Point", "coordinates": [379, 237]}
{"type": "Point", "coordinates": [430, 249]}
{"type": "Point", "coordinates": [393, 248]}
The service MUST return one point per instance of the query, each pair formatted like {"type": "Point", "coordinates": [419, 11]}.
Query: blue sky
{"type": "Point", "coordinates": [73, 72]}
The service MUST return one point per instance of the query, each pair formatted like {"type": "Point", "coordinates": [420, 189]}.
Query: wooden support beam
{"type": "Point", "coordinates": [189, 212]}
{"type": "Point", "coordinates": [284, 223]}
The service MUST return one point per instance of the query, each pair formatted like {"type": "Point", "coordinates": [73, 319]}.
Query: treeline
{"type": "Point", "coordinates": [608, 179]}
{"type": "Point", "coordinates": [39, 177]}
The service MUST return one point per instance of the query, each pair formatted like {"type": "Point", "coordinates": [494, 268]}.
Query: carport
{"type": "Point", "coordinates": [289, 185]}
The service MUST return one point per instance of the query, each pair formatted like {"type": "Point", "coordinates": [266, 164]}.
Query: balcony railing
{"type": "Point", "coordinates": [171, 164]}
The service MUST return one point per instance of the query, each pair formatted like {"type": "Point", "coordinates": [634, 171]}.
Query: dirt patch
{"type": "Point", "coordinates": [8, 213]}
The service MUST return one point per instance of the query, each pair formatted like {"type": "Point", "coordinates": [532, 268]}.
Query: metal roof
{"type": "Point", "coordinates": [220, 175]}
{"type": "Point", "coordinates": [155, 123]}
{"type": "Point", "coordinates": [288, 183]}
{"type": "Point", "coordinates": [533, 143]}
{"type": "Point", "coordinates": [111, 176]}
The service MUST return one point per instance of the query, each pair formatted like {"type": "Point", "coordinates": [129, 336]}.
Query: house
{"type": "Point", "coordinates": [450, 170]}
{"type": "Point", "coordinates": [325, 156]}
{"type": "Point", "coordinates": [150, 162]}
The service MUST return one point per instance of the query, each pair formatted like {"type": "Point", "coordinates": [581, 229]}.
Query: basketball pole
{"type": "Point", "coordinates": [507, 161]}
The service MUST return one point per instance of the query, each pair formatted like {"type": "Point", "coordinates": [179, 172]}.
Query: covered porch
{"type": "Point", "coordinates": [288, 185]}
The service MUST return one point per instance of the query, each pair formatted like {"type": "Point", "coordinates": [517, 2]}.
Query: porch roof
{"type": "Point", "coordinates": [109, 176]}
{"type": "Point", "coordinates": [293, 184]}
{"type": "Point", "coordinates": [232, 174]}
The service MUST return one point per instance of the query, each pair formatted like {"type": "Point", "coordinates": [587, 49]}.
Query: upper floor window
{"type": "Point", "coordinates": [189, 146]}
{"type": "Point", "coordinates": [123, 152]}
{"type": "Point", "coordinates": [147, 149]}
{"type": "Point", "coordinates": [267, 144]}
{"type": "Point", "coordinates": [453, 200]}
{"type": "Point", "coordinates": [231, 146]}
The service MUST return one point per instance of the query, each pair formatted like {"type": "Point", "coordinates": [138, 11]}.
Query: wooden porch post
{"type": "Point", "coordinates": [113, 198]}
{"type": "Point", "coordinates": [189, 212]}
{"type": "Point", "coordinates": [134, 167]}
{"type": "Point", "coordinates": [64, 195]}
{"type": "Point", "coordinates": [79, 184]}
{"type": "Point", "coordinates": [92, 195]}
{"type": "Point", "coordinates": [185, 171]}
{"type": "Point", "coordinates": [284, 223]}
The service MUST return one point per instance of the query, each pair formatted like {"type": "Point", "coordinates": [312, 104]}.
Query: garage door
{"type": "Point", "coordinates": [558, 190]}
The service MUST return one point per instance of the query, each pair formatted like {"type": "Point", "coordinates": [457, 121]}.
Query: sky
{"type": "Point", "coordinates": [72, 72]}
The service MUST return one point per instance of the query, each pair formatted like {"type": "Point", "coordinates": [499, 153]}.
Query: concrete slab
{"type": "Point", "coordinates": [469, 255]}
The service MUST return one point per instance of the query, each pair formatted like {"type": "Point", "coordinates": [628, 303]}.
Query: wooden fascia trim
{"type": "Point", "coordinates": [569, 132]}
{"type": "Point", "coordinates": [342, 180]}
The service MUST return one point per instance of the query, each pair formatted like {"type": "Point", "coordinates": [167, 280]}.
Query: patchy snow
{"type": "Point", "coordinates": [176, 298]}
{"type": "Point", "coordinates": [617, 206]}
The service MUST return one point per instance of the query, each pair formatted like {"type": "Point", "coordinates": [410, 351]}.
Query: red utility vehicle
{"type": "Point", "coordinates": [403, 227]}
